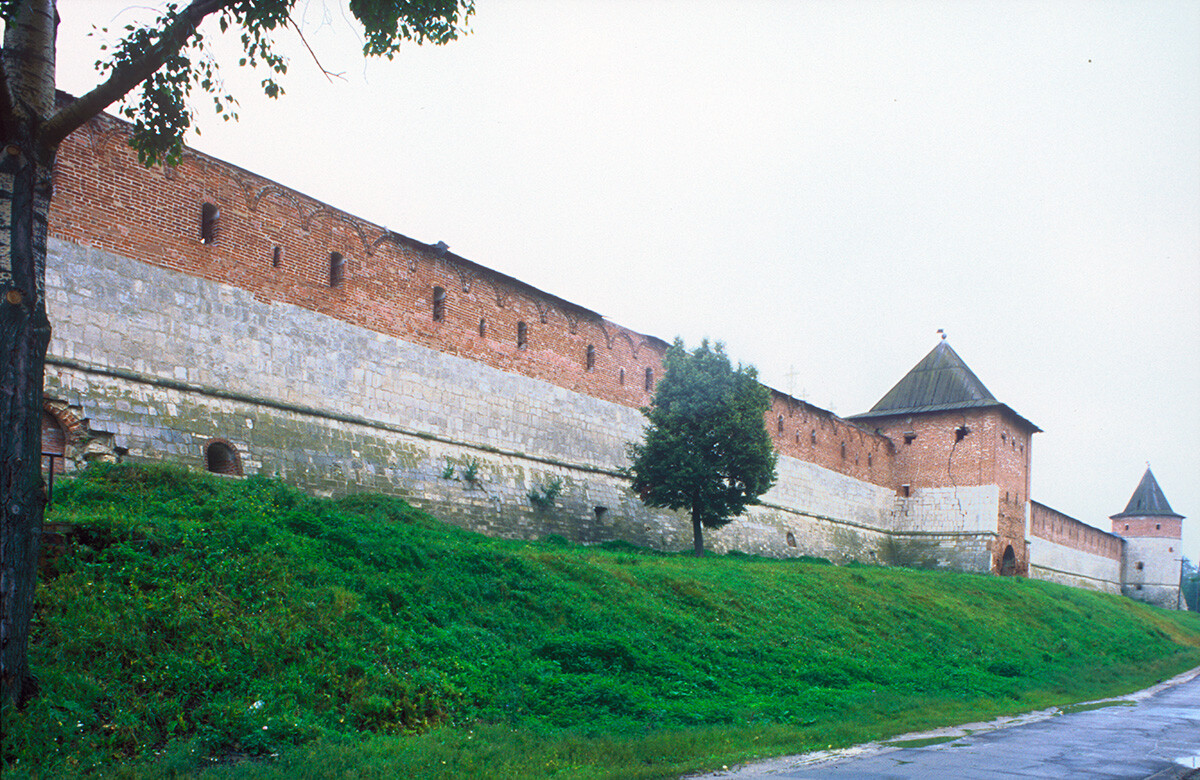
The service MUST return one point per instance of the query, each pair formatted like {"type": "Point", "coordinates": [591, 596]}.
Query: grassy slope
{"type": "Point", "coordinates": [201, 617]}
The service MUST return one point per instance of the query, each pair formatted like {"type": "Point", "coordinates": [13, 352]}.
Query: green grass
{"type": "Point", "coordinates": [244, 628]}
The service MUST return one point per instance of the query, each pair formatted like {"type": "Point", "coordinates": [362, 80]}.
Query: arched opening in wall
{"type": "Point", "coordinates": [54, 443]}
{"type": "Point", "coordinates": [590, 357]}
{"type": "Point", "coordinates": [482, 328]}
{"type": "Point", "coordinates": [649, 379]}
{"type": "Point", "coordinates": [791, 539]}
{"type": "Point", "coordinates": [439, 304]}
{"type": "Point", "coordinates": [1008, 563]}
{"type": "Point", "coordinates": [621, 376]}
{"type": "Point", "coordinates": [220, 457]}
{"type": "Point", "coordinates": [209, 214]}
{"type": "Point", "coordinates": [277, 257]}
{"type": "Point", "coordinates": [337, 268]}
{"type": "Point", "coordinates": [522, 335]}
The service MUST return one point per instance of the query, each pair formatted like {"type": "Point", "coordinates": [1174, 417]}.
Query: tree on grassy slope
{"type": "Point", "coordinates": [706, 447]}
{"type": "Point", "coordinates": [167, 59]}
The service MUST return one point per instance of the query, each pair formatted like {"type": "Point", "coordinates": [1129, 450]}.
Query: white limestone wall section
{"type": "Point", "coordinates": [1152, 569]}
{"type": "Point", "coordinates": [118, 313]}
{"type": "Point", "coordinates": [1065, 565]}
{"type": "Point", "coordinates": [948, 510]}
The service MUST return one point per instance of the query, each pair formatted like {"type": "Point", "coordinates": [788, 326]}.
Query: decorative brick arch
{"type": "Point", "coordinates": [222, 457]}
{"type": "Point", "coordinates": [62, 433]}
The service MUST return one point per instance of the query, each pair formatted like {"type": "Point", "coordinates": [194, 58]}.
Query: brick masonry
{"type": "Point", "coordinates": [201, 303]}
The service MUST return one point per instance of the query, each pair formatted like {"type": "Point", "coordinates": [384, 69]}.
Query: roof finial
{"type": "Point", "coordinates": [942, 333]}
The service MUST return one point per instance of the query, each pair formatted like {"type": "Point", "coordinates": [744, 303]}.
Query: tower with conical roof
{"type": "Point", "coordinates": [962, 466]}
{"type": "Point", "coordinates": [1153, 532]}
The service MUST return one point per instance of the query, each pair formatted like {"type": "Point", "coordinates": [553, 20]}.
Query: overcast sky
{"type": "Point", "coordinates": [820, 185]}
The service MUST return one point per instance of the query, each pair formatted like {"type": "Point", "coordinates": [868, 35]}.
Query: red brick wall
{"type": "Point", "coordinates": [1154, 527]}
{"type": "Point", "coordinates": [817, 436]}
{"type": "Point", "coordinates": [104, 198]}
{"type": "Point", "coordinates": [1054, 526]}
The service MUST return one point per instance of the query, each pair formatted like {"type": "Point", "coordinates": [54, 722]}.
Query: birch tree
{"type": "Point", "coordinates": [157, 66]}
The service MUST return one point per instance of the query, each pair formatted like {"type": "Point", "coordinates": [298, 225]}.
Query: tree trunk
{"type": "Point", "coordinates": [24, 334]}
{"type": "Point", "coordinates": [26, 166]}
{"type": "Point", "coordinates": [697, 533]}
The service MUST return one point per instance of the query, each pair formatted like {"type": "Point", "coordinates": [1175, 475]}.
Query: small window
{"type": "Point", "coordinates": [868, 460]}
{"type": "Point", "coordinates": [591, 357]}
{"type": "Point", "coordinates": [482, 328]}
{"type": "Point", "coordinates": [1140, 565]}
{"type": "Point", "coordinates": [277, 257]}
{"type": "Point", "coordinates": [522, 335]}
{"type": "Point", "coordinates": [1127, 526]}
{"type": "Point", "coordinates": [812, 436]}
{"type": "Point", "coordinates": [843, 450]}
{"type": "Point", "coordinates": [221, 458]}
{"type": "Point", "coordinates": [439, 304]}
{"type": "Point", "coordinates": [910, 437]}
{"type": "Point", "coordinates": [779, 423]}
{"type": "Point", "coordinates": [905, 490]}
{"type": "Point", "coordinates": [621, 376]}
{"type": "Point", "coordinates": [337, 268]}
{"type": "Point", "coordinates": [209, 214]}
{"type": "Point", "coordinates": [791, 539]}
{"type": "Point", "coordinates": [649, 379]}
{"type": "Point", "coordinates": [1158, 526]}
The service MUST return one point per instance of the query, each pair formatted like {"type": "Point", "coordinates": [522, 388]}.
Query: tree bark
{"type": "Point", "coordinates": [697, 533]}
{"type": "Point", "coordinates": [25, 187]}
{"type": "Point", "coordinates": [25, 334]}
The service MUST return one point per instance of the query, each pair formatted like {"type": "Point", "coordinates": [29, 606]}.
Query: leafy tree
{"type": "Point", "coordinates": [167, 59]}
{"type": "Point", "coordinates": [1189, 584]}
{"type": "Point", "coordinates": [706, 447]}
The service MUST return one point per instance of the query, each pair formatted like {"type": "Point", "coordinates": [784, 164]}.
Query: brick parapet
{"type": "Point", "coordinates": [277, 244]}
{"type": "Point", "coordinates": [1054, 526]}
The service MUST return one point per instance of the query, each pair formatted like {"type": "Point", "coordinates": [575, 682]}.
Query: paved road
{"type": "Point", "coordinates": [1154, 733]}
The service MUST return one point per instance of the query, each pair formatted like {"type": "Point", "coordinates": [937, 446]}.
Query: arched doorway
{"type": "Point", "coordinates": [1008, 563]}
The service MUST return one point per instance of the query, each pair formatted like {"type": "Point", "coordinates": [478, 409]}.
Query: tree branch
{"type": "Point", "coordinates": [127, 76]}
{"type": "Point", "coordinates": [329, 76]}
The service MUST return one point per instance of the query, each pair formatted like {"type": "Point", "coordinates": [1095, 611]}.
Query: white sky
{"type": "Point", "coordinates": [821, 185]}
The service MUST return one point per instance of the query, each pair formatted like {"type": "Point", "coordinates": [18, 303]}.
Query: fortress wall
{"type": "Point", "coordinates": [275, 244]}
{"type": "Point", "coordinates": [167, 362]}
{"type": "Point", "coordinates": [1065, 531]}
{"type": "Point", "coordinates": [1069, 565]}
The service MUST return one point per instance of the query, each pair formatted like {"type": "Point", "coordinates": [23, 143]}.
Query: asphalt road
{"type": "Point", "coordinates": [1154, 733]}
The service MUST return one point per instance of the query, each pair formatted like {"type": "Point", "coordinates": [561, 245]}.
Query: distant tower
{"type": "Point", "coordinates": [1152, 531]}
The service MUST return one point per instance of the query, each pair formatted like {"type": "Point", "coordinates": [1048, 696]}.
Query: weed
{"type": "Point", "coordinates": [545, 496]}
{"type": "Point", "coordinates": [470, 471]}
{"type": "Point", "coordinates": [200, 622]}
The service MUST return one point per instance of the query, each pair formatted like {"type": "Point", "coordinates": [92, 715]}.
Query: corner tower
{"type": "Point", "coordinates": [962, 466]}
{"type": "Point", "coordinates": [1153, 533]}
